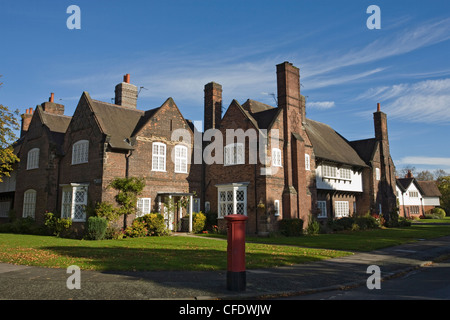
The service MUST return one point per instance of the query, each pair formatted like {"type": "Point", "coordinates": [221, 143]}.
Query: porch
{"type": "Point", "coordinates": [173, 206]}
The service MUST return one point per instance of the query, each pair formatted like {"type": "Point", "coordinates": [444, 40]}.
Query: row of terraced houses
{"type": "Point", "coordinates": [68, 162]}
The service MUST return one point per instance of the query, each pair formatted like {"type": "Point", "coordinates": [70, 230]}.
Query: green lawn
{"type": "Point", "coordinates": [200, 253]}
{"type": "Point", "coordinates": [368, 240]}
{"type": "Point", "coordinates": [150, 253]}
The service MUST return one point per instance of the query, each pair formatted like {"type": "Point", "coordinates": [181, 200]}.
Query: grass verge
{"type": "Point", "coordinates": [200, 253]}
{"type": "Point", "coordinates": [147, 254]}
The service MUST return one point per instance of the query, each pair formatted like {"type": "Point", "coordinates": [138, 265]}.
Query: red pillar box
{"type": "Point", "coordinates": [236, 275]}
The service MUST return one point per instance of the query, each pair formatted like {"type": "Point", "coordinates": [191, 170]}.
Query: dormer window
{"type": "Point", "coordinates": [80, 152]}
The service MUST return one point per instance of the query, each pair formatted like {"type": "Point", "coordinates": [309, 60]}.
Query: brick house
{"type": "Point", "coordinates": [317, 171]}
{"type": "Point", "coordinates": [68, 163]}
{"type": "Point", "coordinates": [266, 162]}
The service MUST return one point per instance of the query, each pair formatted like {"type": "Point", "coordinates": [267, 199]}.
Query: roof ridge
{"type": "Point", "coordinates": [118, 106]}
{"type": "Point", "coordinates": [55, 114]}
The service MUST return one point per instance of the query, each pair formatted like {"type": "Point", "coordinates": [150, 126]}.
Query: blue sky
{"type": "Point", "coordinates": [173, 48]}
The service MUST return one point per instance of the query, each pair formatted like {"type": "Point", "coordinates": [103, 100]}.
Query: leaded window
{"type": "Point", "coordinates": [232, 200]}
{"type": "Point", "coordinates": [80, 152]}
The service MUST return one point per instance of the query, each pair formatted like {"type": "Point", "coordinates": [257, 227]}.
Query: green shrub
{"type": "Point", "coordinates": [341, 224]}
{"type": "Point", "coordinates": [154, 222]}
{"type": "Point", "coordinates": [57, 226]}
{"type": "Point", "coordinates": [291, 227]}
{"type": "Point", "coordinates": [313, 226]}
{"type": "Point", "coordinates": [366, 222]}
{"type": "Point", "coordinates": [106, 210]}
{"type": "Point", "coordinates": [198, 222]}
{"type": "Point", "coordinates": [136, 230]}
{"type": "Point", "coordinates": [96, 228]}
{"type": "Point", "coordinates": [22, 226]}
{"type": "Point", "coordinates": [439, 213]}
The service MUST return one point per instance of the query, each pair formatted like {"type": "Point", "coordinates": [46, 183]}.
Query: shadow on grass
{"type": "Point", "coordinates": [151, 259]}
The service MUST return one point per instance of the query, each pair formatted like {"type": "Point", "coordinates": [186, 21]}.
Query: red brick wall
{"type": "Point", "coordinates": [43, 179]}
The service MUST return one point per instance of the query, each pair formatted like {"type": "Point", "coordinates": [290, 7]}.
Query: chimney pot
{"type": "Point", "coordinates": [126, 78]}
{"type": "Point", "coordinates": [52, 97]}
{"type": "Point", "coordinates": [378, 107]}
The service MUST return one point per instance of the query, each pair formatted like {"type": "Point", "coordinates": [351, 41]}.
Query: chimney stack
{"type": "Point", "coordinates": [409, 174]}
{"type": "Point", "coordinates": [126, 93]}
{"type": "Point", "coordinates": [52, 107]}
{"type": "Point", "coordinates": [26, 120]}
{"type": "Point", "coordinates": [213, 105]}
{"type": "Point", "coordinates": [380, 123]}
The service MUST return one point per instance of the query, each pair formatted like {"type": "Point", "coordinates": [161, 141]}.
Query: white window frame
{"type": "Point", "coordinates": [276, 157]}
{"type": "Point", "coordinates": [181, 159]}
{"type": "Point", "coordinates": [29, 203]}
{"type": "Point", "coordinates": [414, 209]}
{"type": "Point", "coordinates": [322, 205]}
{"type": "Point", "coordinates": [70, 203]}
{"type": "Point", "coordinates": [329, 171]}
{"type": "Point", "coordinates": [144, 206]}
{"type": "Point", "coordinates": [234, 154]}
{"type": "Point", "coordinates": [341, 209]}
{"type": "Point", "coordinates": [159, 157]}
{"type": "Point", "coordinates": [413, 194]}
{"type": "Point", "coordinates": [80, 152]}
{"type": "Point", "coordinates": [276, 205]}
{"type": "Point", "coordinates": [307, 162]}
{"type": "Point", "coordinates": [345, 174]}
{"type": "Point", "coordinates": [228, 202]}
{"type": "Point", "coordinates": [33, 159]}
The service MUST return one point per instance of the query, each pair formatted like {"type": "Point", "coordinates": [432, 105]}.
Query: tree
{"type": "Point", "coordinates": [444, 187]}
{"type": "Point", "coordinates": [438, 173]}
{"type": "Point", "coordinates": [404, 171]}
{"type": "Point", "coordinates": [8, 123]}
{"type": "Point", "coordinates": [128, 191]}
{"type": "Point", "coordinates": [425, 175]}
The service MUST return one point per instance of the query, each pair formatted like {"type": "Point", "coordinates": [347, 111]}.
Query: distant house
{"type": "Point", "coordinates": [430, 195]}
{"type": "Point", "coordinates": [415, 197]}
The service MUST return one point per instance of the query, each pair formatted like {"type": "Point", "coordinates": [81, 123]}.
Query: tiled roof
{"type": "Point", "coordinates": [330, 145]}
{"type": "Point", "coordinates": [429, 189]}
{"type": "Point", "coordinates": [117, 122]}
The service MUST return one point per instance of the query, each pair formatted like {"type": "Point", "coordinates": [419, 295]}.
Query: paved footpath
{"type": "Point", "coordinates": [34, 283]}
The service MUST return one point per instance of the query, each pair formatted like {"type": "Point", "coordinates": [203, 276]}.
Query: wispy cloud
{"type": "Point", "coordinates": [426, 101]}
{"type": "Point", "coordinates": [393, 44]}
{"type": "Point", "coordinates": [432, 161]}
{"type": "Point", "coordinates": [323, 105]}
{"type": "Point", "coordinates": [322, 82]}
{"type": "Point", "coordinates": [246, 71]}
